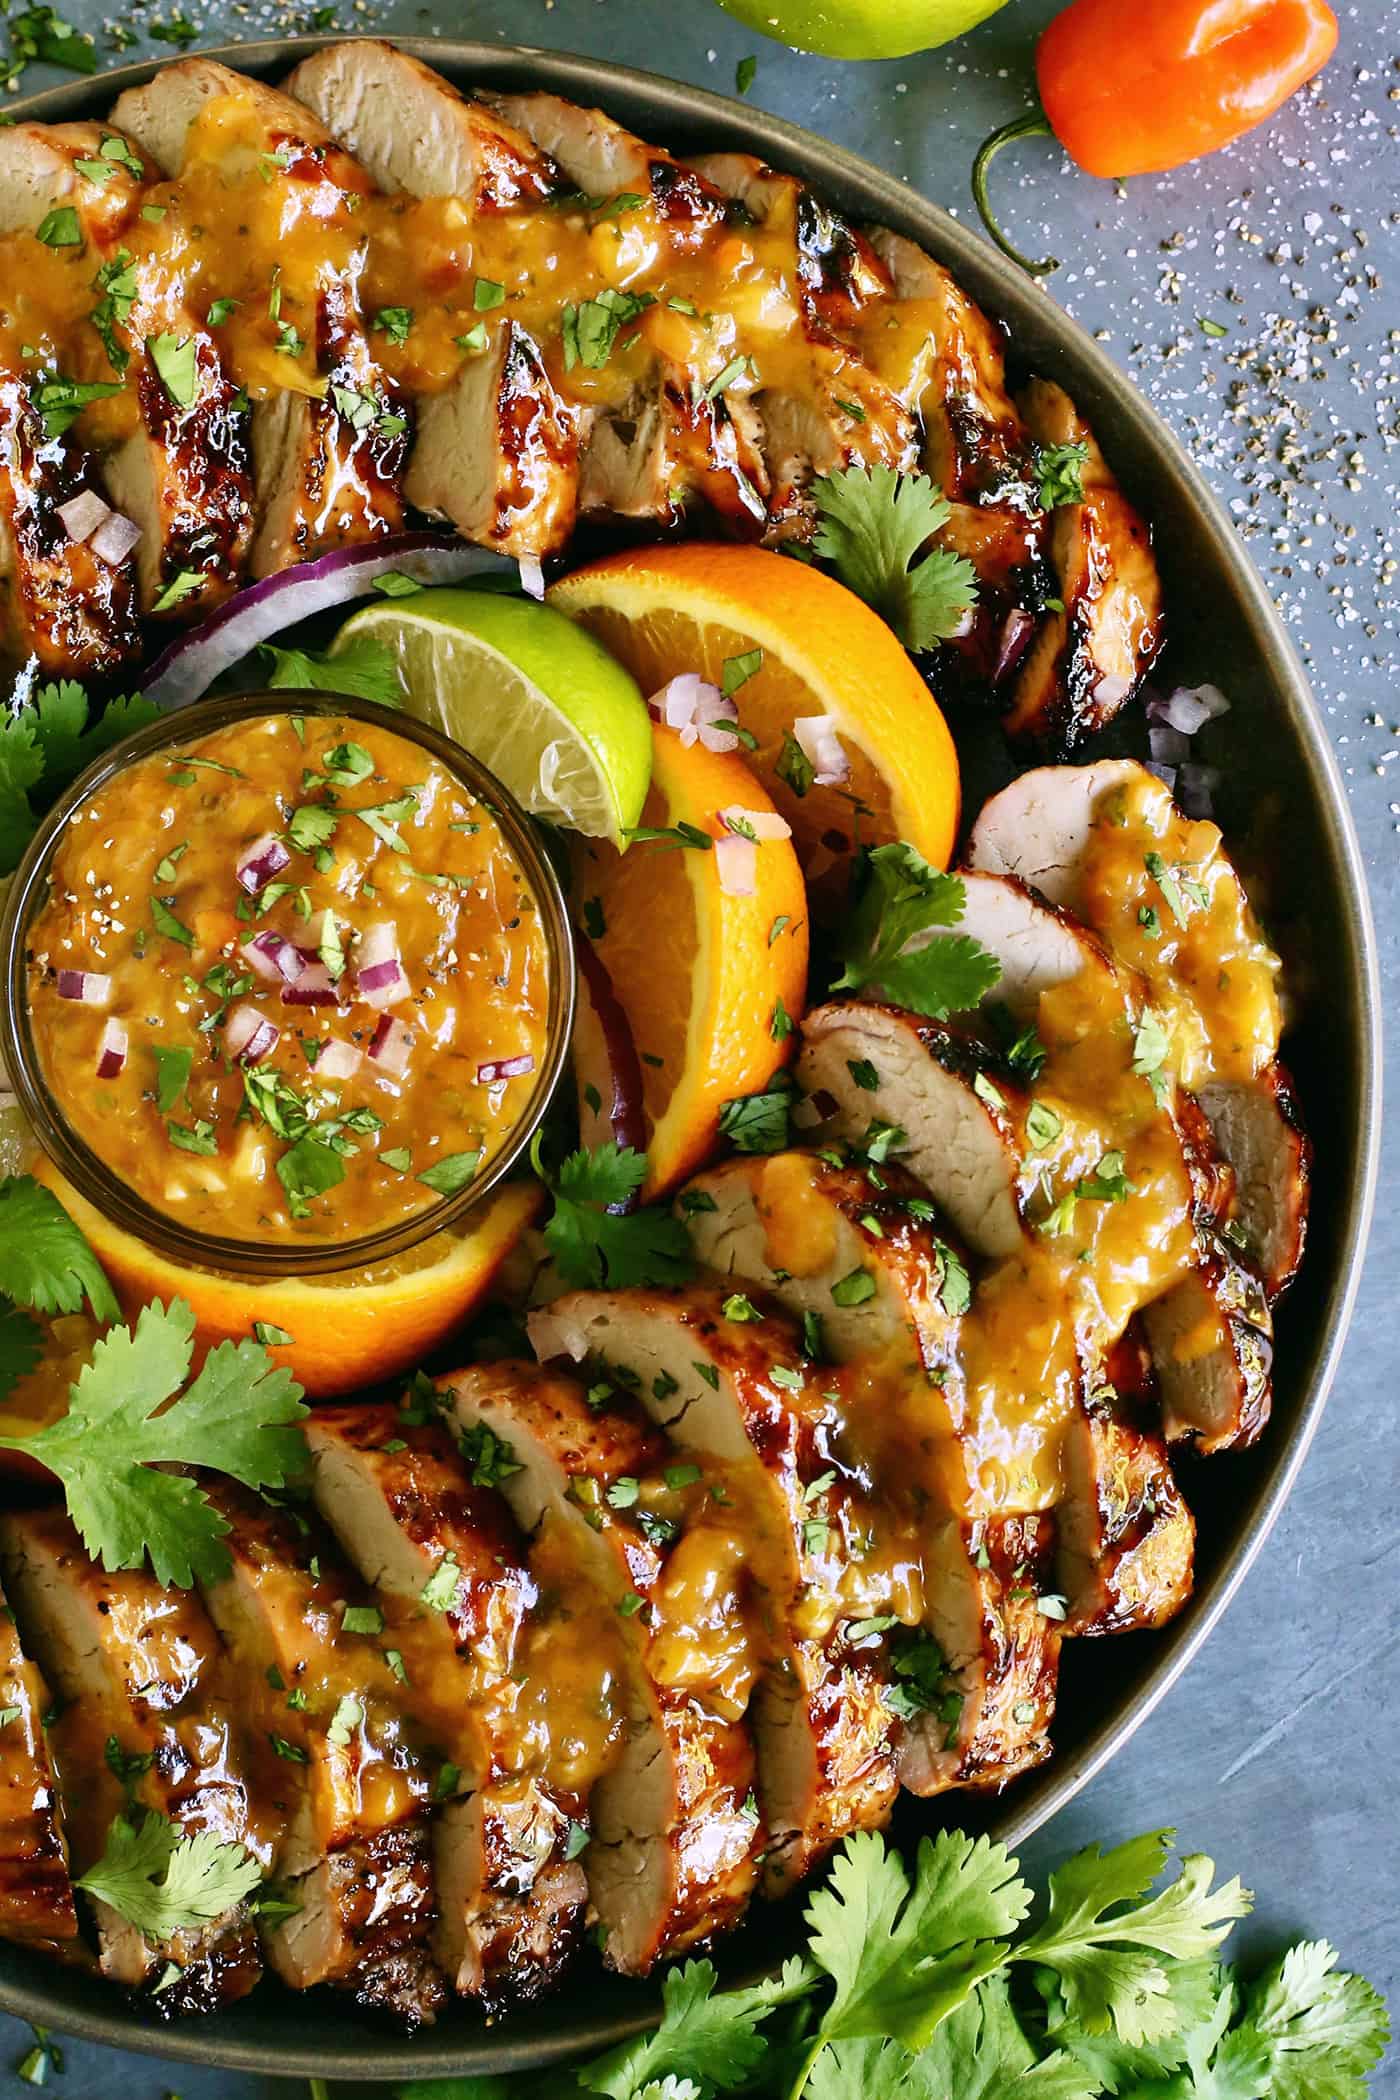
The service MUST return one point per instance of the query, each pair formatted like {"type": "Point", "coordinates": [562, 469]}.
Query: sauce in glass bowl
{"type": "Point", "coordinates": [291, 974]}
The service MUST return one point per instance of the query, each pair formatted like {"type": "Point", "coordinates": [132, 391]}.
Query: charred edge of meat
{"type": "Point", "coordinates": [218, 1976]}
{"type": "Point", "coordinates": [209, 444]}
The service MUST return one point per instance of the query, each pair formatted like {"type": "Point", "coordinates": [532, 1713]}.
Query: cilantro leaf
{"type": "Point", "coordinates": [237, 1417]}
{"type": "Point", "coordinates": [903, 1954]}
{"type": "Point", "coordinates": [162, 1882]}
{"type": "Point", "coordinates": [903, 898]}
{"type": "Point", "coordinates": [873, 2070]}
{"type": "Point", "coordinates": [703, 2034]}
{"type": "Point", "coordinates": [594, 1238]}
{"type": "Point", "coordinates": [365, 668]}
{"type": "Point", "coordinates": [1117, 2066]}
{"type": "Point", "coordinates": [758, 1122]}
{"type": "Point", "coordinates": [874, 524]}
{"type": "Point", "coordinates": [45, 743]}
{"type": "Point", "coordinates": [981, 2052]}
{"type": "Point", "coordinates": [45, 1262]}
{"type": "Point", "coordinates": [1321, 2029]}
{"type": "Point", "coordinates": [21, 1345]}
{"type": "Point", "coordinates": [1059, 474]}
{"type": "Point", "coordinates": [1106, 1964]}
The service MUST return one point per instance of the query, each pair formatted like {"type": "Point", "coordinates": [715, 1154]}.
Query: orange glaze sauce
{"type": "Point", "coordinates": [1187, 928]}
{"type": "Point", "coordinates": [267, 223]}
{"type": "Point", "coordinates": [145, 891]}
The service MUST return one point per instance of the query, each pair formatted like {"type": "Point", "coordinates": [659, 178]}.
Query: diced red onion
{"type": "Point", "coordinates": [111, 1050]}
{"type": "Point", "coordinates": [258, 863]}
{"type": "Point", "coordinates": [379, 942]}
{"type": "Point", "coordinates": [267, 608]}
{"type": "Point", "coordinates": [1166, 774]}
{"type": "Point", "coordinates": [314, 987]}
{"type": "Point", "coordinates": [805, 1113]}
{"type": "Point", "coordinates": [87, 986]}
{"type": "Point", "coordinates": [816, 736]}
{"type": "Point", "coordinates": [337, 1060]}
{"type": "Point", "coordinates": [1016, 631]}
{"type": "Point", "coordinates": [531, 576]}
{"type": "Point", "coordinates": [1189, 708]}
{"type": "Point", "coordinates": [380, 978]}
{"type": "Point", "coordinates": [1168, 746]}
{"type": "Point", "coordinates": [736, 863]}
{"type": "Point", "coordinates": [250, 1036]}
{"type": "Point", "coordinates": [1195, 789]}
{"type": "Point", "coordinates": [698, 710]}
{"type": "Point", "coordinates": [275, 959]}
{"type": "Point", "coordinates": [504, 1068]}
{"type": "Point", "coordinates": [554, 1334]}
{"type": "Point", "coordinates": [1110, 693]}
{"type": "Point", "coordinates": [82, 514]}
{"type": "Point", "coordinates": [114, 539]}
{"type": "Point", "coordinates": [391, 1045]}
{"type": "Point", "coordinates": [763, 823]}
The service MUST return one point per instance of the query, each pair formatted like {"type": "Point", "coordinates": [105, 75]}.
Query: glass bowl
{"type": "Point", "coordinates": [92, 1177]}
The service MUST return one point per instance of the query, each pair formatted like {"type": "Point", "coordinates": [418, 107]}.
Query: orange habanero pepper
{"type": "Point", "coordinates": [1130, 87]}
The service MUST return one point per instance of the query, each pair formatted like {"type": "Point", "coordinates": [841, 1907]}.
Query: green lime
{"type": "Point", "coordinates": [862, 28]}
{"type": "Point", "coordinates": [16, 1137]}
{"type": "Point", "coordinates": [530, 694]}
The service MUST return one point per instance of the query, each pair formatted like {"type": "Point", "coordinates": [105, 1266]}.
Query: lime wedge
{"type": "Point", "coordinates": [529, 693]}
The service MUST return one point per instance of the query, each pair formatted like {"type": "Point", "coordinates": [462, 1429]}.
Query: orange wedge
{"type": "Point", "coordinates": [348, 1329]}
{"type": "Point", "coordinates": [706, 979]}
{"type": "Point", "coordinates": [666, 610]}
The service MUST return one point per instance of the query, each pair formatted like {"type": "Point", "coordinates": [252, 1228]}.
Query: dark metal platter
{"type": "Point", "coordinates": [1285, 815]}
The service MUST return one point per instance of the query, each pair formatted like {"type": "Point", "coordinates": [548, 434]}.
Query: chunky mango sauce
{"type": "Point", "coordinates": [258, 226]}
{"type": "Point", "coordinates": [289, 981]}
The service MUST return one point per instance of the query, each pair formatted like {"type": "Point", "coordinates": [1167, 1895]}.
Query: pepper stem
{"type": "Point", "coordinates": [1035, 125]}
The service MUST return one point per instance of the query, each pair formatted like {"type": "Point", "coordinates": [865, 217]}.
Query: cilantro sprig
{"type": "Point", "coordinates": [162, 1882]}
{"type": "Point", "coordinates": [596, 1236]}
{"type": "Point", "coordinates": [904, 897]}
{"type": "Point", "coordinates": [921, 1984]}
{"type": "Point", "coordinates": [874, 527]}
{"type": "Point", "coordinates": [238, 1416]}
{"type": "Point", "coordinates": [44, 744]}
{"type": "Point", "coordinates": [46, 1266]}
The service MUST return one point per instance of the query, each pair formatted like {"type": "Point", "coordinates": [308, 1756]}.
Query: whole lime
{"type": "Point", "coordinates": [862, 28]}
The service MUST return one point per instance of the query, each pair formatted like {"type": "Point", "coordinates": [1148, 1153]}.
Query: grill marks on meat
{"type": "Point", "coordinates": [141, 1667]}
{"type": "Point", "coordinates": [510, 1901]}
{"type": "Point", "coordinates": [676, 1834]}
{"type": "Point", "coordinates": [36, 1895]}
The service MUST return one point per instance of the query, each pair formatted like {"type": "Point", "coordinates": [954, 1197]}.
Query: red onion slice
{"type": "Point", "coordinates": [816, 737]}
{"type": "Point", "coordinates": [258, 863]}
{"type": "Point", "coordinates": [314, 987]}
{"type": "Point", "coordinates": [1016, 631]}
{"type": "Point", "coordinates": [391, 1045]}
{"type": "Point", "coordinates": [192, 662]}
{"type": "Point", "coordinates": [111, 1050]}
{"type": "Point", "coordinates": [114, 539]}
{"type": "Point", "coordinates": [274, 958]}
{"type": "Point", "coordinates": [86, 986]}
{"type": "Point", "coordinates": [736, 864]}
{"type": "Point", "coordinates": [337, 1060]}
{"type": "Point", "coordinates": [249, 1036]}
{"type": "Point", "coordinates": [504, 1068]}
{"type": "Point", "coordinates": [81, 515]}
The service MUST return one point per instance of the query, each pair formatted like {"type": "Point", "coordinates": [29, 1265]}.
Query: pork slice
{"type": "Point", "coordinates": [823, 1732]}
{"type": "Point", "coordinates": [833, 265]}
{"type": "Point", "coordinates": [397, 1497]}
{"type": "Point", "coordinates": [601, 158]}
{"type": "Point", "coordinates": [675, 1838]}
{"type": "Point", "coordinates": [1087, 660]}
{"type": "Point", "coordinates": [1037, 829]}
{"type": "Point", "coordinates": [36, 1895]}
{"type": "Point", "coordinates": [799, 1226]}
{"type": "Point", "coordinates": [145, 1692]}
{"type": "Point", "coordinates": [1258, 1128]}
{"type": "Point", "coordinates": [1211, 1338]}
{"type": "Point", "coordinates": [962, 1116]}
{"type": "Point", "coordinates": [1037, 945]}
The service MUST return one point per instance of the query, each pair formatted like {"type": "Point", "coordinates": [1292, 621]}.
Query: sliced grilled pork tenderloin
{"type": "Point", "coordinates": [1212, 1344]}
{"type": "Point", "coordinates": [962, 1115]}
{"type": "Point", "coordinates": [1126, 1539]}
{"type": "Point", "coordinates": [805, 1229]}
{"type": "Point", "coordinates": [1044, 828]}
{"type": "Point", "coordinates": [497, 451]}
{"type": "Point", "coordinates": [1087, 660]}
{"type": "Point", "coordinates": [944, 359]}
{"type": "Point", "coordinates": [1037, 945]}
{"type": "Point", "coordinates": [328, 466]}
{"type": "Point", "coordinates": [181, 469]}
{"type": "Point", "coordinates": [355, 1856]}
{"type": "Point", "coordinates": [36, 1895]}
{"type": "Point", "coordinates": [148, 1711]}
{"type": "Point", "coordinates": [457, 1597]}
{"type": "Point", "coordinates": [676, 1837]}
{"type": "Point", "coordinates": [736, 1389]}
{"type": "Point", "coordinates": [64, 609]}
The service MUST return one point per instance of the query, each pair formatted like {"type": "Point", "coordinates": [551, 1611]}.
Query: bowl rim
{"type": "Point", "coordinates": [1014, 297]}
{"type": "Point", "coordinates": [80, 1163]}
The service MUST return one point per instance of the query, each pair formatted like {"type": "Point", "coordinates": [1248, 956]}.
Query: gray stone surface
{"type": "Point", "coordinates": [1277, 1752]}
